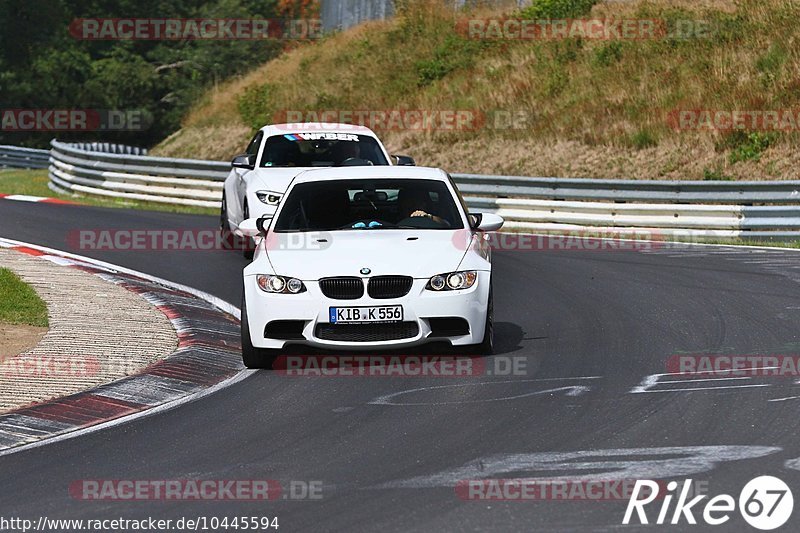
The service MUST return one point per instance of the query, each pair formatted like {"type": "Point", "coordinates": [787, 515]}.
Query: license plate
{"type": "Point", "coordinates": [366, 315]}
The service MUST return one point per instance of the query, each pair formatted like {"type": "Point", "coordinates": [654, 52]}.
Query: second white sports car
{"type": "Point", "coordinates": [366, 258]}
{"type": "Point", "coordinates": [279, 152]}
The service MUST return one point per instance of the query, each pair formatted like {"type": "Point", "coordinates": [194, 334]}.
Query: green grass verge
{"type": "Point", "coordinates": [20, 304]}
{"type": "Point", "coordinates": [34, 183]}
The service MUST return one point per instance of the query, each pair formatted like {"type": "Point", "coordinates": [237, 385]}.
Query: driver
{"type": "Point", "coordinates": [345, 150]}
{"type": "Point", "coordinates": [416, 203]}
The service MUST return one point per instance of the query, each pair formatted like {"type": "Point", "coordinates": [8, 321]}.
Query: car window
{"type": "Point", "coordinates": [369, 204]}
{"type": "Point", "coordinates": [321, 150]}
{"type": "Point", "coordinates": [252, 148]}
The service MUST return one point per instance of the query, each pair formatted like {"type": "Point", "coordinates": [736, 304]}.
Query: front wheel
{"type": "Point", "coordinates": [486, 347]}
{"type": "Point", "coordinates": [224, 225]}
{"type": "Point", "coordinates": [253, 357]}
{"type": "Point", "coordinates": [249, 243]}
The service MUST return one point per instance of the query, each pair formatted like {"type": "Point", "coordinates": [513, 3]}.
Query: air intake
{"type": "Point", "coordinates": [342, 288]}
{"type": "Point", "coordinates": [385, 287]}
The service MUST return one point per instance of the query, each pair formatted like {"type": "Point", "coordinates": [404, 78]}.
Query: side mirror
{"type": "Point", "coordinates": [249, 227]}
{"type": "Point", "coordinates": [404, 161]}
{"type": "Point", "coordinates": [247, 161]}
{"type": "Point", "coordinates": [486, 221]}
{"type": "Point", "coordinates": [253, 227]}
{"type": "Point", "coordinates": [262, 223]}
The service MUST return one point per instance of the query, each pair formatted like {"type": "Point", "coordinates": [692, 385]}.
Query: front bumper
{"type": "Point", "coordinates": [419, 306]}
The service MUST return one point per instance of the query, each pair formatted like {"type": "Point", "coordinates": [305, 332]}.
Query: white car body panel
{"type": "Point", "coordinates": [434, 252]}
{"type": "Point", "coordinates": [384, 252]}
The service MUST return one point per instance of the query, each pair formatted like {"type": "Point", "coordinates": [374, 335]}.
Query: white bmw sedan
{"type": "Point", "coordinates": [366, 258]}
{"type": "Point", "coordinates": [279, 152]}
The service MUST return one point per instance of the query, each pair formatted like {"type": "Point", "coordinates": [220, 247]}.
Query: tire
{"type": "Point", "coordinates": [249, 249]}
{"type": "Point", "coordinates": [486, 347]}
{"type": "Point", "coordinates": [224, 225]}
{"type": "Point", "coordinates": [253, 357]}
{"type": "Point", "coordinates": [229, 239]}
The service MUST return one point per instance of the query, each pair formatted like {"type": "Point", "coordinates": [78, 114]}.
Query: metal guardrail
{"type": "Point", "coordinates": [191, 182]}
{"type": "Point", "coordinates": [697, 210]}
{"type": "Point", "coordinates": [18, 157]}
{"type": "Point", "coordinates": [694, 210]}
{"type": "Point", "coordinates": [111, 148]}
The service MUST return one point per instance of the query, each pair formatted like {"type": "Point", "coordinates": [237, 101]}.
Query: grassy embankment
{"type": "Point", "coordinates": [593, 108]}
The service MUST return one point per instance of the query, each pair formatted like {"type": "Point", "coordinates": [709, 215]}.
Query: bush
{"type": "Point", "coordinates": [255, 105]}
{"type": "Point", "coordinates": [557, 9]}
{"type": "Point", "coordinates": [643, 139]}
{"type": "Point", "coordinates": [608, 54]}
{"type": "Point", "coordinates": [752, 147]}
{"type": "Point", "coordinates": [454, 53]}
{"type": "Point", "coordinates": [771, 63]}
{"type": "Point", "coordinates": [715, 175]}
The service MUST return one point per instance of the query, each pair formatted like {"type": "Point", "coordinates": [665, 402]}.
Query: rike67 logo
{"type": "Point", "coordinates": [765, 503]}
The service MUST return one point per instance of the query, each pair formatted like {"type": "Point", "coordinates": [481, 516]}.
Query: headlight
{"type": "Point", "coordinates": [452, 281]}
{"type": "Point", "coordinates": [269, 198]}
{"type": "Point", "coordinates": [279, 284]}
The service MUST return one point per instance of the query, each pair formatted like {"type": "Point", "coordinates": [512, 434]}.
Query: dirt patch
{"type": "Point", "coordinates": [16, 339]}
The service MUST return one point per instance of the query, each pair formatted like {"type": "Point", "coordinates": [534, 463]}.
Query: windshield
{"type": "Point", "coordinates": [321, 150]}
{"type": "Point", "coordinates": [371, 204]}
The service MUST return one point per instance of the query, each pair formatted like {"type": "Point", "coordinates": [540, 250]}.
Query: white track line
{"type": "Point", "coordinates": [213, 300]}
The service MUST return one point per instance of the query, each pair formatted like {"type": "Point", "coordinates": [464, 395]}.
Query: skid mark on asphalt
{"type": "Point", "coordinates": [783, 262]}
{"type": "Point", "coordinates": [589, 465]}
{"type": "Point", "coordinates": [567, 390]}
{"type": "Point", "coordinates": [666, 382]}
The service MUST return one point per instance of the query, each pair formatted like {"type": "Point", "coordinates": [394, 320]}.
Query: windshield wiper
{"type": "Point", "coordinates": [390, 226]}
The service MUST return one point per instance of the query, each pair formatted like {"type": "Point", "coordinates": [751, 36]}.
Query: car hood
{"type": "Point", "coordinates": [276, 179]}
{"type": "Point", "coordinates": [416, 253]}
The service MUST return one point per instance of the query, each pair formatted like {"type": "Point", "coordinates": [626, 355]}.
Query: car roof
{"type": "Point", "coordinates": [371, 172]}
{"type": "Point", "coordinates": [316, 127]}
